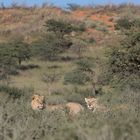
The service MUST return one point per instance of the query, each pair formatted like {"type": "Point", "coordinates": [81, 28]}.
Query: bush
{"type": "Point", "coordinates": [76, 77]}
{"type": "Point", "coordinates": [124, 60]}
{"type": "Point", "coordinates": [90, 24]}
{"type": "Point", "coordinates": [51, 77]}
{"type": "Point", "coordinates": [13, 92]}
{"type": "Point", "coordinates": [50, 47]}
{"type": "Point", "coordinates": [81, 27]}
{"type": "Point", "coordinates": [85, 64]}
{"type": "Point", "coordinates": [123, 23]}
{"type": "Point", "coordinates": [91, 40]}
{"type": "Point", "coordinates": [127, 23]}
{"type": "Point", "coordinates": [59, 27]}
{"type": "Point", "coordinates": [22, 51]}
{"type": "Point", "coordinates": [56, 41]}
{"type": "Point", "coordinates": [7, 61]}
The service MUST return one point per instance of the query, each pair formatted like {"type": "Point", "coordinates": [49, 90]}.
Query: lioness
{"type": "Point", "coordinates": [38, 103]}
{"type": "Point", "coordinates": [93, 105]}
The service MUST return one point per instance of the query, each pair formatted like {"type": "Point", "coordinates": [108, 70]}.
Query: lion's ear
{"type": "Point", "coordinates": [86, 100]}
{"type": "Point", "coordinates": [33, 97]}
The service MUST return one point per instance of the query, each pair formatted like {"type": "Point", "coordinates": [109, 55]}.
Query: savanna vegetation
{"type": "Point", "coordinates": [67, 56]}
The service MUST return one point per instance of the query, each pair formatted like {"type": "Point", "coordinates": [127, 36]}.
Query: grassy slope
{"type": "Point", "coordinates": [29, 23]}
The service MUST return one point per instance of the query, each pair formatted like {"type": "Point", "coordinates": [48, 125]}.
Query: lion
{"type": "Point", "coordinates": [38, 103]}
{"type": "Point", "coordinates": [72, 107]}
{"type": "Point", "coordinates": [93, 105]}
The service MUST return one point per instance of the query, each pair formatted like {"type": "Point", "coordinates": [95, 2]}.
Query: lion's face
{"type": "Point", "coordinates": [91, 103]}
{"type": "Point", "coordinates": [38, 102]}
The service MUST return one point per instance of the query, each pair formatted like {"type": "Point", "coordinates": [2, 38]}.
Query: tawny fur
{"type": "Point", "coordinates": [38, 103]}
{"type": "Point", "coordinates": [93, 105]}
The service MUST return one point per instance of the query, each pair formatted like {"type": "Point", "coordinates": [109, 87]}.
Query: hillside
{"type": "Point", "coordinates": [70, 56]}
{"type": "Point", "coordinates": [28, 22]}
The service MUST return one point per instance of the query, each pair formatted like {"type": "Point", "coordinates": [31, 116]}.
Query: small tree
{"type": "Point", "coordinates": [87, 66]}
{"type": "Point", "coordinates": [55, 41]}
{"type": "Point", "coordinates": [7, 62]}
{"type": "Point", "coordinates": [82, 74]}
{"type": "Point", "coordinates": [59, 27]}
{"type": "Point", "coordinates": [22, 50]}
{"type": "Point", "coordinates": [50, 47]}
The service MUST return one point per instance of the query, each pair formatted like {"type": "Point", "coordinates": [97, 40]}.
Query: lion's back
{"type": "Point", "coordinates": [74, 108]}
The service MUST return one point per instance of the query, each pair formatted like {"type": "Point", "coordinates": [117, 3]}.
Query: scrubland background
{"type": "Point", "coordinates": [52, 52]}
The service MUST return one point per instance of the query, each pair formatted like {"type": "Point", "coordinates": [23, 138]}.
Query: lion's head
{"type": "Point", "coordinates": [91, 103]}
{"type": "Point", "coordinates": [38, 102]}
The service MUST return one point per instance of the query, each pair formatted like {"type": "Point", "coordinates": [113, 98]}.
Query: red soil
{"type": "Point", "coordinates": [100, 17]}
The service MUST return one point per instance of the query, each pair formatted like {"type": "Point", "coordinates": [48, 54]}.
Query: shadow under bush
{"type": "Point", "coordinates": [28, 67]}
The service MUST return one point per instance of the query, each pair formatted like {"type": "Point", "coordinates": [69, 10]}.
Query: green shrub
{"type": "Point", "coordinates": [127, 23]}
{"type": "Point", "coordinates": [81, 27]}
{"type": "Point", "coordinates": [124, 60]}
{"type": "Point", "coordinates": [51, 77]}
{"type": "Point", "coordinates": [50, 47]}
{"type": "Point", "coordinates": [7, 61]}
{"type": "Point", "coordinates": [22, 51]}
{"type": "Point", "coordinates": [56, 40]}
{"type": "Point", "coordinates": [91, 40]}
{"type": "Point", "coordinates": [85, 64]}
{"type": "Point", "coordinates": [103, 29]}
{"type": "Point", "coordinates": [90, 24]}
{"type": "Point", "coordinates": [13, 92]}
{"type": "Point", "coordinates": [59, 27]}
{"type": "Point", "coordinates": [123, 23]}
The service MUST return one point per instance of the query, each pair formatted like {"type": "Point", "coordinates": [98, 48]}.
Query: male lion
{"type": "Point", "coordinates": [93, 105]}
{"type": "Point", "coordinates": [38, 103]}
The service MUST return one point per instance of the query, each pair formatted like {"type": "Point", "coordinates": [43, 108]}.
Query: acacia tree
{"type": "Point", "coordinates": [22, 51]}
{"type": "Point", "coordinates": [82, 74]}
{"type": "Point", "coordinates": [54, 41]}
{"type": "Point", "coordinates": [59, 28]}
{"type": "Point", "coordinates": [7, 62]}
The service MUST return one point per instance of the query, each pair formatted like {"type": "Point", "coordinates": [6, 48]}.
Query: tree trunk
{"type": "Point", "coordinates": [93, 82]}
{"type": "Point", "coordinates": [19, 62]}
{"type": "Point", "coordinates": [93, 88]}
